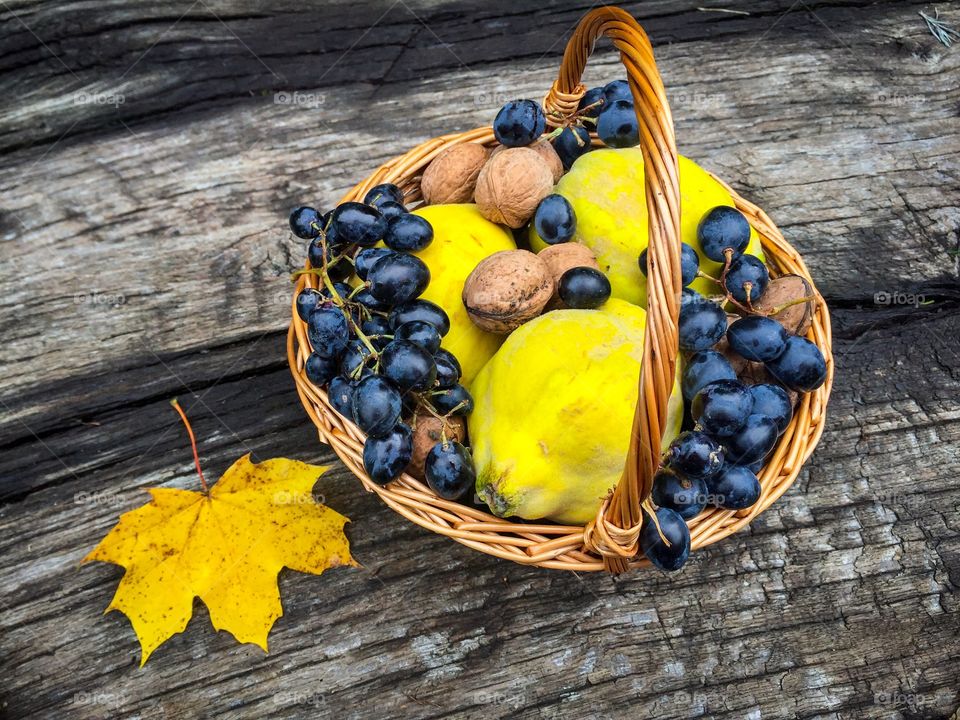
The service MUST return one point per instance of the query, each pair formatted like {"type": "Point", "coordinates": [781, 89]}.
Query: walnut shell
{"type": "Point", "coordinates": [506, 290]}
{"type": "Point", "coordinates": [545, 149]}
{"type": "Point", "coordinates": [427, 431]}
{"type": "Point", "coordinates": [798, 318]}
{"type": "Point", "coordinates": [452, 175]}
{"type": "Point", "coordinates": [511, 185]}
{"type": "Point", "coordinates": [560, 258]}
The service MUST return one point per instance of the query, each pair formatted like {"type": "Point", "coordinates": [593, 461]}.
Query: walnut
{"type": "Point", "coordinates": [796, 318]}
{"type": "Point", "coordinates": [427, 432]}
{"type": "Point", "coordinates": [511, 185]}
{"type": "Point", "coordinates": [560, 258]}
{"type": "Point", "coordinates": [545, 149]}
{"type": "Point", "coordinates": [452, 175]}
{"type": "Point", "coordinates": [506, 290]}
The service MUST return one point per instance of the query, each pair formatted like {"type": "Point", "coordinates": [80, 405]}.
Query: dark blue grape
{"type": "Point", "coordinates": [385, 192]}
{"type": "Point", "coordinates": [421, 333]}
{"type": "Point", "coordinates": [687, 496]}
{"type": "Point", "coordinates": [306, 222]}
{"type": "Point", "coordinates": [328, 331]}
{"type": "Point", "coordinates": [343, 290]}
{"type": "Point", "coordinates": [755, 438]}
{"type": "Point", "coordinates": [694, 454]}
{"type": "Point", "coordinates": [390, 210]}
{"type": "Point", "coordinates": [408, 366]}
{"type": "Point", "coordinates": [398, 278]}
{"type": "Point", "coordinates": [555, 220]}
{"type": "Point", "coordinates": [773, 402]}
{"type": "Point", "coordinates": [340, 393]}
{"type": "Point", "coordinates": [593, 96]}
{"type": "Point", "coordinates": [666, 557]}
{"type": "Point", "coordinates": [375, 326]}
{"type": "Point", "coordinates": [583, 288]}
{"type": "Point", "coordinates": [703, 368]}
{"type": "Point", "coordinates": [449, 470]}
{"type": "Point", "coordinates": [519, 123]}
{"type": "Point", "coordinates": [354, 223]}
{"type": "Point", "coordinates": [355, 358]}
{"type": "Point", "coordinates": [448, 369]}
{"type": "Point", "coordinates": [386, 458]}
{"type": "Point", "coordinates": [721, 408]}
{"type": "Point", "coordinates": [723, 228]}
{"type": "Point", "coordinates": [801, 366]}
{"type": "Point", "coordinates": [757, 338]}
{"type": "Point", "coordinates": [455, 401]}
{"type": "Point", "coordinates": [745, 270]}
{"type": "Point", "coordinates": [689, 264]}
{"type": "Point", "coordinates": [365, 259]}
{"type": "Point", "coordinates": [376, 406]}
{"type": "Point", "coordinates": [617, 90]}
{"type": "Point", "coordinates": [421, 310]}
{"type": "Point", "coordinates": [702, 323]}
{"type": "Point", "coordinates": [571, 143]}
{"type": "Point", "coordinates": [307, 300]}
{"type": "Point", "coordinates": [617, 125]}
{"type": "Point", "coordinates": [320, 370]}
{"type": "Point", "coordinates": [408, 233]}
{"type": "Point", "coordinates": [365, 297]}
{"type": "Point", "coordinates": [734, 488]}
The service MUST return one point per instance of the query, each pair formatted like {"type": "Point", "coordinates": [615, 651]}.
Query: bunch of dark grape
{"type": "Point", "coordinates": [736, 425]}
{"type": "Point", "coordinates": [376, 345]}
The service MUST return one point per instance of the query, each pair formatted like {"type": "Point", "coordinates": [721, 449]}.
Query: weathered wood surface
{"type": "Point", "coordinates": [145, 257]}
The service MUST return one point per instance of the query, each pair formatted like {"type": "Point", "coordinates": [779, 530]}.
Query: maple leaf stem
{"type": "Point", "coordinates": [193, 444]}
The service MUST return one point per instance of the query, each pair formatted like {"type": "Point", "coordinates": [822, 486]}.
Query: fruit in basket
{"type": "Point", "coordinates": [554, 412]}
{"type": "Point", "coordinates": [383, 193]}
{"type": "Point", "coordinates": [617, 90]}
{"type": "Point", "coordinates": [747, 279]}
{"type": "Point", "coordinates": [694, 454]}
{"type": "Point", "coordinates": [670, 555]}
{"type": "Point", "coordinates": [617, 125]}
{"type": "Point", "coordinates": [456, 401]}
{"type": "Point", "coordinates": [591, 103]}
{"type": "Point", "coordinates": [583, 288]}
{"type": "Point", "coordinates": [519, 123]}
{"type": "Point", "coordinates": [773, 402]}
{"type": "Point", "coordinates": [448, 369]}
{"type": "Point", "coordinates": [449, 470]}
{"type": "Point", "coordinates": [801, 365]}
{"type": "Point", "coordinates": [428, 430]}
{"type": "Point", "coordinates": [555, 220]}
{"type": "Point", "coordinates": [385, 458]}
{"type": "Point", "coordinates": [735, 487]}
{"type": "Point", "coordinates": [689, 264]}
{"type": "Point", "coordinates": [701, 324]}
{"type": "Point", "coordinates": [687, 496]}
{"type": "Point", "coordinates": [562, 257]}
{"type": "Point", "coordinates": [328, 331]}
{"type": "Point", "coordinates": [408, 233]}
{"type": "Point", "coordinates": [757, 338]}
{"type": "Point", "coordinates": [376, 406]}
{"type": "Point", "coordinates": [571, 143]}
{"type": "Point", "coordinates": [703, 368]}
{"type": "Point", "coordinates": [721, 408]}
{"type": "Point", "coordinates": [421, 333]}
{"type": "Point", "coordinates": [354, 223]}
{"type": "Point", "coordinates": [605, 188]}
{"type": "Point", "coordinates": [722, 229]}
{"type": "Point", "coordinates": [306, 222]}
{"type": "Point", "coordinates": [461, 239]}
{"type": "Point", "coordinates": [398, 278]}
{"type": "Point", "coordinates": [545, 149]}
{"type": "Point", "coordinates": [420, 310]}
{"type": "Point", "coordinates": [506, 290]}
{"type": "Point", "coordinates": [511, 185]}
{"type": "Point", "coordinates": [452, 175]}
{"type": "Point", "coordinates": [408, 366]}
{"type": "Point", "coordinates": [755, 438]}
{"type": "Point", "coordinates": [788, 300]}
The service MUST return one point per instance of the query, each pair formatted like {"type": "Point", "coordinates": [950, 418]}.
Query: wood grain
{"type": "Point", "coordinates": [145, 256]}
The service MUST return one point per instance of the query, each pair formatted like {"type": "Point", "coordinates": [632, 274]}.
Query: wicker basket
{"type": "Point", "coordinates": [610, 542]}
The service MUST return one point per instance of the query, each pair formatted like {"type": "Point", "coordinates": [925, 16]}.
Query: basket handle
{"type": "Point", "coordinates": [615, 531]}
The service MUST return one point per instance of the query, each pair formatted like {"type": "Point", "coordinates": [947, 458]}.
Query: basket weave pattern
{"type": "Point", "coordinates": [610, 542]}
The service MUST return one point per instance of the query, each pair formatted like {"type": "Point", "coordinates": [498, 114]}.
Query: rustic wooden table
{"type": "Point", "coordinates": [150, 155]}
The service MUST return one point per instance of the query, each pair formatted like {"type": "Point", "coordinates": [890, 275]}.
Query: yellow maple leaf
{"type": "Point", "coordinates": [225, 547]}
